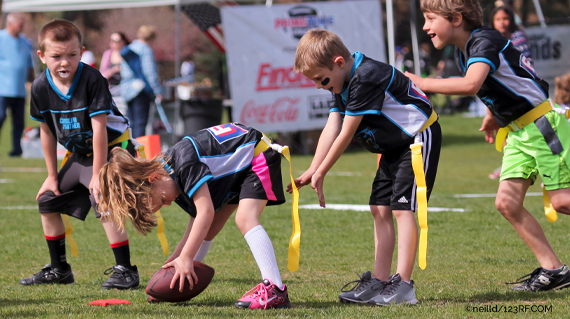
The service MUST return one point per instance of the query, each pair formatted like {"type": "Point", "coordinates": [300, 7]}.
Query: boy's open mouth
{"type": "Point", "coordinates": [330, 89]}
{"type": "Point", "coordinates": [64, 73]}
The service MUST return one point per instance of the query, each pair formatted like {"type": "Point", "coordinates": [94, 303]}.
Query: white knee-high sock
{"type": "Point", "coordinates": [264, 255]}
{"type": "Point", "coordinates": [203, 250]}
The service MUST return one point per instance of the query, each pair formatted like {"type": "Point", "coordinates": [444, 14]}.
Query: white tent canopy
{"type": "Point", "coordinates": [80, 5]}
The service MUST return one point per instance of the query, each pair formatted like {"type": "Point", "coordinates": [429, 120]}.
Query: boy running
{"type": "Point", "coordinates": [382, 110]}
{"type": "Point", "coordinates": [518, 104]}
{"type": "Point", "coordinates": [72, 102]}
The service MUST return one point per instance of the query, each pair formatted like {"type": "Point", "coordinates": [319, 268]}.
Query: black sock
{"type": "Point", "coordinates": [56, 246]}
{"type": "Point", "coordinates": [122, 253]}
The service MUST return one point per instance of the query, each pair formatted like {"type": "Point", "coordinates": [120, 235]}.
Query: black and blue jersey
{"type": "Point", "coordinates": [394, 109]}
{"type": "Point", "coordinates": [68, 116]}
{"type": "Point", "coordinates": [512, 87]}
{"type": "Point", "coordinates": [218, 156]}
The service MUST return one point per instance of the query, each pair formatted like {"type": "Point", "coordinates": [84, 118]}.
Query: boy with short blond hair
{"type": "Point", "coordinates": [382, 110]}
{"type": "Point", "coordinates": [518, 105]}
{"type": "Point", "coordinates": [72, 102]}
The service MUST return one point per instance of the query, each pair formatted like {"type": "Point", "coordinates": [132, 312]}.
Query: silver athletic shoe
{"type": "Point", "coordinates": [396, 292]}
{"type": "Point", "coordinates": [363, 290]}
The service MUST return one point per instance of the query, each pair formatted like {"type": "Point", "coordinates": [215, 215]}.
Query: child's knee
{"type": "Point", "coordinates": [561, 205]}
{"type": "Point", "coordinates": [506, 205]}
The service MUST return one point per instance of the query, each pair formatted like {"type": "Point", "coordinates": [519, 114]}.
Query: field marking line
{"type": "Point", "coordinates": [18, 207]}
{"type": "Point", "coordinates": [366, 208]}
{"type": "Point", "coordinates": [531, 194]}
{"type": "Point", "coordinates": [23, 169]}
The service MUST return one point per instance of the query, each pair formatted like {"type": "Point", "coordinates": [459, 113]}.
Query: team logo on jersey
{"type": "Point", "coordinates": [226, 132]}
{"type": "Point", "coordinates": [415, 92]}
{"type": "Point", "coordinates": [367, 138]}
{"type": "Point", "coordinates": [525, 64]}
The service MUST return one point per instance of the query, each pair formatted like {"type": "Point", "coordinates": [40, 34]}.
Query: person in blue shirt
{"type": "Point", "coordinates": [15, 68]}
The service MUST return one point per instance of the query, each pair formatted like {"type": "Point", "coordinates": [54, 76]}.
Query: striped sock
{"type": "Point", "coordinates": [56, 246]}
{"type": "Point", "coordinates": [122, 253]}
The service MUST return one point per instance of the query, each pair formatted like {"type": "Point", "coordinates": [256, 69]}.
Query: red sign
{"type": "Point", "coordinates": [284, 109]}
{"type": "Point", "coordinates": [276, 78]}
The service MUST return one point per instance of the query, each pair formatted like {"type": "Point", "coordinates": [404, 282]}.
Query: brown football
{"type": "Point", "coordinates": [159, 285]}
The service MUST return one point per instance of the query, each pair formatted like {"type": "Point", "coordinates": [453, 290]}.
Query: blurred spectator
{"type": "Point", "coordinates": [140, 89]}
{"type": "Point", "coordinates": [562, 90]}
{"type": "Point", "coordinates": [111, 60]}
{"type": "Point", "coordinates": [89, 58]}
{"type": "Point", "coordinates": [15, 67]}
{"type": "Point", "coordinates": [503, 20]}
{"type": "Point", "coordinates": [425, 59]}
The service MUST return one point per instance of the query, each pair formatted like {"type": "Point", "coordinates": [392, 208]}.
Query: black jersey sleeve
{"type": "Point", "coordinates": [483, 50]}
{"type": "Point", "coordinates": [364, 98]}
{"type": "Point", "coordinates": [192, 176]}
{"type": "Point", "coordinates": [35, 112]}
{"type": "Point", "coordinates": [100, 100]}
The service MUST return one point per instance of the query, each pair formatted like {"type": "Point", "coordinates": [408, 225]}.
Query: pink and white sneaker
{"type": "Point", "coordinates": [264, 296]}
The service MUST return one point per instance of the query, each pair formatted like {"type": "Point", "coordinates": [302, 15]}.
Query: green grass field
{"type": "Point", "coordinates": [470, 254]}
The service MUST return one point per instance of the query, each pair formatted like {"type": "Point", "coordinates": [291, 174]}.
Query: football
{"type": "Point", "coordinates": [159, 285]}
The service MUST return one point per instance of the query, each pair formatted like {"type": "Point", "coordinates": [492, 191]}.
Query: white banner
{"type": "Point", "coordinates": [260, 46]}
{"type": "Point", "coordinates": [550, 50]}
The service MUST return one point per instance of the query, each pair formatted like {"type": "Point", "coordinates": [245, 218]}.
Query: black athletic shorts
{"type": "Point", "coordinates": [263, 180]}
{"type": "Point", "coordinates": [73, 181]}
{"type": "Point", "coordinates": [395, 183]}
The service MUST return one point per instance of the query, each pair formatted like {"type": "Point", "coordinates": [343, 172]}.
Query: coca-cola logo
{"type": "Point", "coordinates": [284, 109]}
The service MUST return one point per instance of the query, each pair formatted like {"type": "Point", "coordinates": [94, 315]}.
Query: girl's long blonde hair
{"type": "Point", "coordinates": [125, 189]}
{"type": "Point", "coordinates": [562, 90]}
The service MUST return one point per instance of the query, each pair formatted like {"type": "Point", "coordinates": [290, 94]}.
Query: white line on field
{"type": "Point", "coordinates": [489, 195]}
{"type": "Point", "coordinates": [366, 208]}
{"type": "Point", "coordinates": [23, 169]}
{"type": "Point", "coordinates": [6, 180]}
{"type": "Point", "coordinates": [339, 173]}
{"type": "Point", "coordinates": [18, 207]}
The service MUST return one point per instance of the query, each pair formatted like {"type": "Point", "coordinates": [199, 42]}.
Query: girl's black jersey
{"type": "Point", "coordinates": [218, 156]}
{"type": "Point", "coordinates": [512, 87]}
{"type": "Point", "coordinates": [394, 109]}
{"type": "Point", "coordinates": [69, 116]}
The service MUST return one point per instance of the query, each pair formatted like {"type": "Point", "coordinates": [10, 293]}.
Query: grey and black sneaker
{"type": "Point", "coordinates": [122, 278]}
{"type": "Point", "coordinates": [542, 280]}
{"type": "Point", "coordinates": [396, 292]}
{"type": "Point", "coordinates": [363, 290]}
{"type": "Point", "coordinates": [49, 275]}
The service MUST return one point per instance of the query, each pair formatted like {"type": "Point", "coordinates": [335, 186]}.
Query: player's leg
{"type": "Point", "coordinates": [72, 201]}
{"type": "Point", "coordinates": [407, 242]}
{"type": "Point", "coordinates": [18, 108]}
{"type": "Point", "coordinates": [270, 293]}
{"type": "Point", "coordinates": [560, 200]}
{"type": "Point", "coordinates": [218, 223]}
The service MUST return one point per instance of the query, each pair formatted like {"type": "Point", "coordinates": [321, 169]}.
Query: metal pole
{"type": "Point", "coordinates": [415, 46]}
{"type": "Point", "coordinates": [539, 13]}
{"type": "Point", "coordinates": [390, 29]}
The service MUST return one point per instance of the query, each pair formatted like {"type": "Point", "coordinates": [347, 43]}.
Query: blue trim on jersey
{"type": "Point", "coordinates": [484, 60]}
{"type": "Point", "coordinates": [391, 79]}
{"type": "Point", "coordinates": [66, 111]}
{"type": "Point", "coordinates": [461, 61]}
{"type": "Point", "coordinates": [71, 88]}
{"type": "Point", "coordinates": [200, 183]}
{"type": "Point", "coordinates": [364, 112]}
{"type": "Point", "coordinates": [35, 119]}
{"type": "Point", "coordinates": [95, 113]}
{"type": "Point", "coordinates": [334, 109]}
{"type": "Point", "coordinates": [474, 31]}
{"type": "Point", "coordinates": [167, 168]}
{"type": "Point", "coordinates": [419, 109]}
{"type": "Point", "coordinates": [357, 60]}
{"type": "Point", "coordinates": [508, 42]}
{"type": "Point", "coordinates": [195, 146]}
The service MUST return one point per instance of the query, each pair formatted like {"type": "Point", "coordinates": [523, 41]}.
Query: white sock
{"type": "Point", "coordinates": [203, 250]}
{"type": "Point", "coordinates": [264, 255]}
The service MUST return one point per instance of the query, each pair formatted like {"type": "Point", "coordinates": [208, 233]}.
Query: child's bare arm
{"type": "Point", "coordinates": [328, 136]}
{"type": "Point", "coordinates": [340, 144]}
{"type": "Point", "coordinates": [184, 264]}
{"type": "Point", "coordinates": [49, 145]}
{"type": "Point", "coordinates": [99, 124]}
{"type": "Point", "coordinates": [467, 85]}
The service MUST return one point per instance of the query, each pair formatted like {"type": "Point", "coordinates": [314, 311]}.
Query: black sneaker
{"type": "Point", "coordinates": [542, 280]}
{"type": "Point", "coordinates": [363, 289]}
{"type": "Point", "coordinates": [396, 292]}
{"type": "Point", "coordinates": [49, 275]}
{"type": "Point", "coordinates": [122, 278]}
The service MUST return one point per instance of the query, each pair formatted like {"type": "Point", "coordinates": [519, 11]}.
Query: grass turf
{"type": "Point", "coordinates": [470, 254]}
